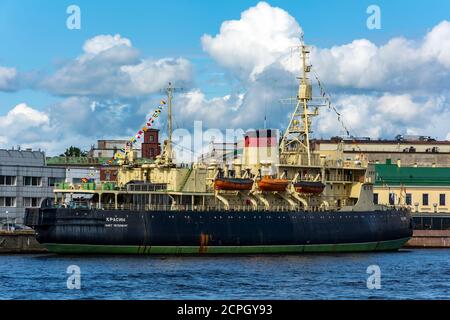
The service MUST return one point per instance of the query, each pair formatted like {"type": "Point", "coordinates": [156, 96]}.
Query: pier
{"type": "Point", "coordinates": [20, 241]}
{"type": "Point", "coordinates": [429, 239]}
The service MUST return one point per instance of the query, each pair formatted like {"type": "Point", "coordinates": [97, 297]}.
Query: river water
{"type": "Point", "coordinates": [407, 274]}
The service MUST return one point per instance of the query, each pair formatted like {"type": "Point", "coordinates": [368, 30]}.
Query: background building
{"type": "Point", "coordinates": [78, 169]}
{"type": "Point", "coordinates": [25, 181]}
{"type": "Point", "coordinates": [222, 152]}
{"type": "Point", "coordinates": [423, 189]}
{"type": "Point", "coordinates": [76, 175]}
{"type": "Point", "coordinates": [97, 165]}
{"type": "Point", "coordinates": [108, 148]}
{"type": "Point", "coordinates": [421, 152]}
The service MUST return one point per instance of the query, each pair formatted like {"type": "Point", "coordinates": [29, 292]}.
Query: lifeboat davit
{"type": "Point", "coordinates": [233, 184]}
{"type": "Point", "coordinates": [309, 187]}
{"type": "Point", "coordinates": [269, 184]}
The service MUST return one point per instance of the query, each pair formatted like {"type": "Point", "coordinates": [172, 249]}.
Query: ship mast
{"type": "Point", "coordinates": [168, 150]}
{"type": "Point", "coordinates": [169, 91]}
{"type": "Point", "coordinates": [296, 138]}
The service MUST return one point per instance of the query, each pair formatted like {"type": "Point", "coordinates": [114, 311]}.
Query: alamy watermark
{"type": "Point", "coordinates": [374, 19]}
{"type": "Point", "coordinates": [73, 21]}
{"type": "Point", "coordinates": [74, 279]}
{"type": "Point", "coordinates": [374, 280]}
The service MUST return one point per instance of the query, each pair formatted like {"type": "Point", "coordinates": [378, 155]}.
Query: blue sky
{"type": "Point", "coordinates": [35, 42]}
{"type": "Point", "coordinates": [34, 34]}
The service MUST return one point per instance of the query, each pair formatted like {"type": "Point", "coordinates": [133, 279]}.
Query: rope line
{"type": "Point", "coordinates": [330, 106]}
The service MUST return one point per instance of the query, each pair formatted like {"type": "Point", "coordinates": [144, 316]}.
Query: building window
{"type": "Point", "coordinates": [391, 198]}
{"type": "Point", "coordinates": [7, 202]}
{"type": "Point", "coordinates": [408, 199]}
{"type": "Point", "coordinates": [32, 181]}
{"type": "Point", "coordinates": [442, 199]}
{"type": "Point", "coordinates": [31, 202]}
{"type": "Point", "coordinates": [151, 138]}
{"type": "Point", "coordinates": [7, 181]}
{"type": "Point", "coordinates": [375, 198]}
{"type": "Point", "coordinates": [54, 181]}
{"type": "Point", "coordinates": [425, 199]}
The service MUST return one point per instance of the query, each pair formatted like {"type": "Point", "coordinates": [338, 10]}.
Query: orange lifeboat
{"type": "Point", "coordinates": [233, 184]}
{"type": "Point", "coordinates": [309, 187]}
{"type": "Point", "coordinates": [269, 184]}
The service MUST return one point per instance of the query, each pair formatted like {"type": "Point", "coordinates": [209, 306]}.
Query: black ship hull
{"type": "Point", "coordinates": [81, 231]}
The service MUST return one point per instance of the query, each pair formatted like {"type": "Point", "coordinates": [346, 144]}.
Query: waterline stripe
{"type": "Point", "coordinates": [123, 249]}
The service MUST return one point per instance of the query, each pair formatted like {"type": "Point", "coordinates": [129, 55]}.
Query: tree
{"type": "Point", "coordinates": [74, 152]}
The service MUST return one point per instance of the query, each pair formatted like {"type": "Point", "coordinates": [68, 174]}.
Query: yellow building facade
{"type": "Point", "coordinates": [422, 189]}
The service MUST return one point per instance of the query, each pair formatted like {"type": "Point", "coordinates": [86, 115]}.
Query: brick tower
{"type": "Point", "coordinates": [151, 146]}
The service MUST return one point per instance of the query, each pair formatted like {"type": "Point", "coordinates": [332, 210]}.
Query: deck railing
{"type": "Point", "coordinates": [193, 208]}
{"type": "Point", "coordinates": [201, 208]}
{"type": "Point", "coordinates": [179, 207]}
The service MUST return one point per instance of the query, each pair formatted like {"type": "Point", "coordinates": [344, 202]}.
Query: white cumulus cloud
{"type": "Point", "coordinates": [111, 68]}
{"type": "Point", "coordinates": [23, 123]}
{"type": "Point", "coordinates": [386, 115]}
{"type": "Point", "coordinates": [380, 89]}
{"type": "Point", "coordinates": [437, 44]}
{"type": "Point", "coordinates": [400, 64]}
{"type": "Point", "coordinates": [258, 39]}
{"type": "Point", "coordinates": [8, 79]}
{"type": "Point", "coordinates": [263, 38]}
{"type": "Point", "coordinates": [151, 75]}
{"type": "Point", "coordinates": [104, 42]}
{"type": "Point", "coordinates": [216, 112]}
{"type": "Point", "coordinates": [24, 116]}
{"type": "Point", "coordinates": [71, 121]}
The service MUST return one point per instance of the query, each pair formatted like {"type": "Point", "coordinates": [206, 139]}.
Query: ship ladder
{"type": "Point", "coordinates": [186, 178]}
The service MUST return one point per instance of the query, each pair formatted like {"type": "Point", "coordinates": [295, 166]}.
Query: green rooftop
{"type": "Point", "coordinates": [86, 161]}
{"type": "Point", "coordinates": [393, 175]}
{"type": "Point", "coordinates": [75, 160]}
